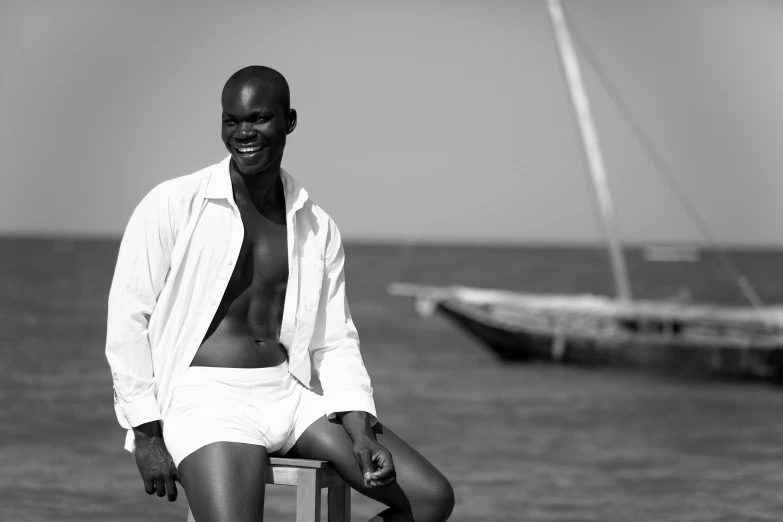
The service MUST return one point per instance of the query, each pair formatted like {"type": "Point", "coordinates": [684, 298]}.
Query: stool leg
{"type": "Point", "coordinates": [308, 496]}
{"type": "Point", "coordinates": [339, 503]}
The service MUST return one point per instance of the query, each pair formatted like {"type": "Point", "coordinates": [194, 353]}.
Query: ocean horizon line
{"type": "Point", "coordinates": [525, 244]}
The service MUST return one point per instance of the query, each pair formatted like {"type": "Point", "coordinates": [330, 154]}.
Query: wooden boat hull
{"type": "Point", "coordinates": [763, 362]}
{"type": "Point", "coordinates": [672, 338]}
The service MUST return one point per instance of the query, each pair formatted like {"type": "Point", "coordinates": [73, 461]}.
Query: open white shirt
{"type": "Point", "coordinates": [175, 259]}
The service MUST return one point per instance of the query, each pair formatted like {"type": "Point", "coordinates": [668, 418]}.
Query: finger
{"type": "Point", "coordinates": [385, 467]}
{"type": "Point", "coordinates": [383, 482]}
{"type": "Point", "coordinates": [365, 462]}
{"type": "Point", "coordinates": [149, 486]}
{"type": "Point", "coordinates": [172, 489]}
{"type": "Point", "coordinates": [383, 478]}
{"type": "Point", "coordinates": [382, 473]}
{"type": "Point", "coordinates": [160, 488]}
{"type": "Point", "coordinates": [385, 472]}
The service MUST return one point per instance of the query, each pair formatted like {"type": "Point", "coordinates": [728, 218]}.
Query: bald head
{"type": "Point", "coordinates": [257, 117]}
{"type": "Point", "coordinates": [258, 77]}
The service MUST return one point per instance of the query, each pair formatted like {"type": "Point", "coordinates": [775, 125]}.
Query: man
{"type": "Point", "coordinates": [229, 288]}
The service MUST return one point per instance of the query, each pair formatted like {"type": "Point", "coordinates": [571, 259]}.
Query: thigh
{"type": "Point", "coordinates": [418, 481]}
{"type": "Point", "coordinates": [224, 481]}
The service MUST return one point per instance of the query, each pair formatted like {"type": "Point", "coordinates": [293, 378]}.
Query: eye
{"type": "Point", "coordinates": [229, 123]}
{"type": "Point", "coordinates": [261, 119]}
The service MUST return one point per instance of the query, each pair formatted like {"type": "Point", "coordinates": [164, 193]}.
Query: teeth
{"type": "Point", "coordinates": [248, 149]}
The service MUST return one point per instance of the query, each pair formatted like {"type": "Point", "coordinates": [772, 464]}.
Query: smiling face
{"type": "Point", "coordinates": [256, 121]}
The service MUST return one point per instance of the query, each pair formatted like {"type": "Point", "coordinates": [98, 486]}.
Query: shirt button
{"type": "Point", "coordinates": [230, 262]}
{"type": "Point", "coordinates": [213, 302]}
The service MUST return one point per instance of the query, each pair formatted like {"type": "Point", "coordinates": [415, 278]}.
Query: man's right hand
{"type": "Point", "coordinates": [154, 461]}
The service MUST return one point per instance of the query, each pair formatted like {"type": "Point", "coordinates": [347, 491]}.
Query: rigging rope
{"type": "Point", "coordinates": [742, 282]}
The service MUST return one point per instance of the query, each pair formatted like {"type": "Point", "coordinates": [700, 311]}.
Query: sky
{"type": "Point", "coordinates": [435, 121]}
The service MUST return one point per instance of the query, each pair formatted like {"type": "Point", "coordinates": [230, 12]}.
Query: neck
{"type": "Point", "coordinates": [264, 189]}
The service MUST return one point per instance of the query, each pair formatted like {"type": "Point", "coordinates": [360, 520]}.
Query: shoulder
{"type": "Point", "coordinates": [183, 188]}
{"type": "Point", "coordinates": [325, 225]}
{"type": "Point", "coordinates": [326, 233]}
{"type": "Point", "coordinates": [319, 214]}
{"type": "Point", "coordinates": [175, 199]}
{"type": "Point", "coordinates": [182, 191]}
{"type": "Point", "coordinates": [320, 222]}
{"type": "Point", "coordinates": [314, 221]}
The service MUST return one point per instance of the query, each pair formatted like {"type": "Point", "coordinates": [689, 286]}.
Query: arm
{"type": "Point", "coordinates": [374, 460]}
{"type": "Point", "coordinates": [157, 468]}
{"type": "Point", "coordinates": [142, 266]}
{"type": "Point", "coordinates": [338, 361]}
{"type": "Point", "coordinates": [335, 342]}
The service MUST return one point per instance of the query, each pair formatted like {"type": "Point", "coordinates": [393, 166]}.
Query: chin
{"type": "Point", "coordinates": [249, 170]}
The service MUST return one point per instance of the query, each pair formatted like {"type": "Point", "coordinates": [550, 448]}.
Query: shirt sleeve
{"type": "Point", "coordinates": [336, 357]}
{"type": "Point", "coordinates": [139, 275]}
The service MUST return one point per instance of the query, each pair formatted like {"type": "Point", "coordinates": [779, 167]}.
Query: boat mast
{"type": "Point", "coordinates": [591, 146]}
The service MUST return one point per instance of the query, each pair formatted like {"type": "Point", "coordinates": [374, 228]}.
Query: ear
{"type": "Point", "coordinates": [291, 121]}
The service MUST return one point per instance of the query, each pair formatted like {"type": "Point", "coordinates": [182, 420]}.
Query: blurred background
{"type": "Point", "coordinates": [439, 136]}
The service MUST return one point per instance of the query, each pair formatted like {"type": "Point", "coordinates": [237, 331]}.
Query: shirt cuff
{"type": "Point", "coordinates": [140, 411]}
{"type": "Point", "coordinates": [350, 401]}
{"type": "Point", "coordinates": [130, 441]}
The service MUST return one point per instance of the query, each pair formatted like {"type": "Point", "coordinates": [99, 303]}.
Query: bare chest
{"type": "Point", "coordinates": [262, 264]}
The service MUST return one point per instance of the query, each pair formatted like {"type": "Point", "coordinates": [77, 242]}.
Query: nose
{"type": "Point", "coordinates": [245, 131]}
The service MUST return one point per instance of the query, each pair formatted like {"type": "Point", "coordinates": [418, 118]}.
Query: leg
{"type": "Point", "coordinates": [224, 482]}
{"type": "Point", "coordinates": [420, 493]}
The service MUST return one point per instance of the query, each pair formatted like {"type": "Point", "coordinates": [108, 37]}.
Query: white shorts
{"type": "Point", "coordinates": [263, 406]}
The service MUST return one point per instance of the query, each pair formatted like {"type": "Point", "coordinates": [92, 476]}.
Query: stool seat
{"type": "Point", "coordinates": [309, 477]}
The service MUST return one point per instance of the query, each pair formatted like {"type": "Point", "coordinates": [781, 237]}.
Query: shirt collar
{"type": "Point", "coordinates": [219, 187]}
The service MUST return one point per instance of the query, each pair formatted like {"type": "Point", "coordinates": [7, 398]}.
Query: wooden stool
{"type": "Point", "coordinates": [309, 477]}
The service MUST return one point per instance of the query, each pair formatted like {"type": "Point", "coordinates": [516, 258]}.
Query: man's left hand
{"type": "Point", "coordinates": [375, 462]}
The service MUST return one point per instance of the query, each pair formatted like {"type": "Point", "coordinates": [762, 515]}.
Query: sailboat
{"type": "Point", "coordinates": [675, 337]}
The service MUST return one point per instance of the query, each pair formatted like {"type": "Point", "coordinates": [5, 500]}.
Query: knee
{"type": "Point", "coordinates": [437, 501]}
